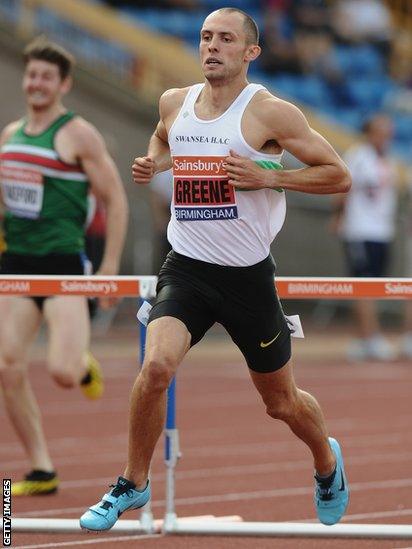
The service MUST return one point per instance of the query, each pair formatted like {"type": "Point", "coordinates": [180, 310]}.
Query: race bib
{"type": "Point", "coordinates": [22, 191]}
{"type": "Point", "coordinates": [201, 190]}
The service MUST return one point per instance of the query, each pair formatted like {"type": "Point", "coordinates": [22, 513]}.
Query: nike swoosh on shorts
{"type": "Point", "coordinates": [264, 344]}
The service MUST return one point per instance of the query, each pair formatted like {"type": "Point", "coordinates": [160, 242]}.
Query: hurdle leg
{"type": "Point", "coordinates": [172, 454]}
{"type": "Point", "coordinates": [146, 515]}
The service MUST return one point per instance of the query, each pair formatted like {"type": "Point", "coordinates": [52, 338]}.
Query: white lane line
{"type": "Point", "coordinates": [235, 470]}
{"type": "Point", "coordinates": [232, 450]}
{"type": "Point", "coordinates": [288, 492]}
{"type": "Point", "coordinates": [65, 443]}
{"type": "Point", "coordinates": [63, 448]}
{"type": "Point", "coordinates": [108, 457]}
{"type": "Point", "coordinates": [398, 390]}
{"type": "Point", "coordinates": [368, 516]}
{"type": "Point", "coordinates": [360, 441]}
{"type": "Point", "coordinates": [402, 483]}
{"type": "Point", "coordinates": [88, 541]}
{"type": "Point", "coordinates": [378, 514]}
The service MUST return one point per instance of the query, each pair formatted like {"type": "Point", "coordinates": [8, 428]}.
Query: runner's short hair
{"type": "Point", "coordinates": [43, 49]}
{"type": "Point", "coordinates": [250, 25]}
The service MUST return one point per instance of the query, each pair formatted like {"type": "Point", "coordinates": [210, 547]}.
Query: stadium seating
{"type": "Point", "coordinates": [366, 83]}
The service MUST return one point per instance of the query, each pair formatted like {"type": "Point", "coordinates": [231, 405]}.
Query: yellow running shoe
{"type": "Point", "coordinates": [36, 483]}
{"type": "Point", "coordinates": [92, 385]}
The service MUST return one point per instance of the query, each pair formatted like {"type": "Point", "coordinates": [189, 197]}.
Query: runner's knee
{"type": "Point", "coordinates": [12, 377]}
{"type": "Point", "coordinates": [10, 357]}
{"type": "Point", "coordinates": [282, 405]}
{"type": "Point", "coordinates": [63, 374]}
{"type": "Point", "coordinates": [157, 373]}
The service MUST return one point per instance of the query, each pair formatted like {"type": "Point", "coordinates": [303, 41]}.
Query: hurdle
{"type": "Point", "coordinates": [143, 287]}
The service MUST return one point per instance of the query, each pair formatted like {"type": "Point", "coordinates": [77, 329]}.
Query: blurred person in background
{"type": "Point", "coordinates": [365, 220]}
{"type": "Point", "coordinates": [161, 191]}
{"type": "Point", "coordinates": [317, 57]}
{"type": "Point", "coordinates": [297, 39]}
{"type": "Point", "coordinates": [218, 136]}
{"type": "Point", "coordinates": [406, 341]}
{"type": "Point", "coordinates": [286, 26]}
{"type": "Point", "coordinates": [279, 49]}
{"type": "Point", "coordinates": [311, 16]}
{"type": "Point", "coordinates": [49, 161]}
{"type": "Point", "coordinates": [363, 22]}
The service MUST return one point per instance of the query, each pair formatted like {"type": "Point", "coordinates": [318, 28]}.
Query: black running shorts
{"type": "Point", "coordinates": [242, 299]}
{"type": "Point", "coordinates": [51, 264]}
{"type": "Point", "coordinates": [367, 258]}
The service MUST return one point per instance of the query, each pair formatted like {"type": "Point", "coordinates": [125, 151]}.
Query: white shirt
{"type": "Point", "coordinates": [211, 220]}
{"type": "Point", "coordinates": [371, 203]}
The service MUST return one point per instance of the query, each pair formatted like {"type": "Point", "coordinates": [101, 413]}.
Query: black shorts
{"type": "Point", "coordinates": [367, 258]}
{"type": "Point", "coordinates": [51, 264]}
{"type": "Point", "coordinates": [242, 299]}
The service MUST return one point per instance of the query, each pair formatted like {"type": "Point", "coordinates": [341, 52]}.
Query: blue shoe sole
{"type": "Point", "coordinates": [99, 519]}
{"type": "Point", "coordinates": [331, 514]}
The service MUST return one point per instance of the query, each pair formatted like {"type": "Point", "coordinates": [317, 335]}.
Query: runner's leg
{"type": "Point", "coordinates": [16, 335]}
{"type": "Point", "coordinates": [68, 323]}
{"type": "Point", "coordinates": [168, 341]}
{"type": "Point", "coordinates": [299, 410]}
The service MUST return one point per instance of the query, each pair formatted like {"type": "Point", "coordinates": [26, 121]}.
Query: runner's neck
{"type": "Point", "coordinates": [40, 120]}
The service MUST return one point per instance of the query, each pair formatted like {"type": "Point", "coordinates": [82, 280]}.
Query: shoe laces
{"type": "Point", "coordinates": [325, 487]}
{"type": "Point", "coordinates": [117, 491]}
{"type": "Point", "coordinates": [325, 494]}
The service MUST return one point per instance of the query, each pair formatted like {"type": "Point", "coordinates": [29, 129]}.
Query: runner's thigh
{"type": "Point", "coordinates": [168, 340]}
{"type": "Point", "coordinates": [68, 322]}
{"type": "Point", "coordinates": [183, 292]}
{"type": "Point", "coordinates": [17, 332]}
{"type": "Point", "coordinates": [253, 316]}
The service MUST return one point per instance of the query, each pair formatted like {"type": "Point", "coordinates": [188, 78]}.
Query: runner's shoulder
{"type": "Point", "coordinates": [82, 133]}
{"type": "Point", "coordinates": [273, 111]}
{"type": "Point", "coordinates": [172, 99]}
{"type": "Point", "coordinates": [9, 130]}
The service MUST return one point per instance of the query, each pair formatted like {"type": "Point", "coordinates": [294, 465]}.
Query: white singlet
{"type": "Point", "coordinates": [370, 211]}
{"type": "Point", "coordinates": [210, 220]}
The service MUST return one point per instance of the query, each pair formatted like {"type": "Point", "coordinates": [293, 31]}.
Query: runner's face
{"type": "Point", "coordinates": [223, 46]}
{"type": "Point", "coordinates": [42, 84]}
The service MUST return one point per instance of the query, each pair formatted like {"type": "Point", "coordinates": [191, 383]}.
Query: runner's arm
{"type": "Point", "coordinates": [158, 157]}
{"type": "Point", "coordinates": [105, 183]}
{"type": "Point", "coordinates": [158, 149]}
{"type": "Point", "coordinates": [326, 173]}
{"type": "Point", "coordinates": [4, 136]}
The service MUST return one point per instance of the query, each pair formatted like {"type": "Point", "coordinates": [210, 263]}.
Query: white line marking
{"type": "Point", "coordinates": [274, 447]}
{"type": "Point", "coordinates": [234, 470]}
{"type": "Point", "coordinates": [88, 541]}
{"type": "Point", "coordinates": [241, 496]}
{"type": "Point", "coordinates": [64, 443]}
{"type": "Point", "coordinates": [364, 516]}
{"type": "Point", "coordinates": [254, 448]}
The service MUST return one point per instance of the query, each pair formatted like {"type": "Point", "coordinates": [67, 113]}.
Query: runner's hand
{"type": "Point", "coordinates": [244, 173]}
{"type": "Point", "coordinates": [143, 169]}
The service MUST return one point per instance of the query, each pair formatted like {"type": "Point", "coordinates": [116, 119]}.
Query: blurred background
{"type": "Point", "coordinates": [341, 61]}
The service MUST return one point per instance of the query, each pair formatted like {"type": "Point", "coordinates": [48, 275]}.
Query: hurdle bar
{"type": "Point", "coordinates": [288, 287]}
{"type": "Point", "coordinates": [144, 287]}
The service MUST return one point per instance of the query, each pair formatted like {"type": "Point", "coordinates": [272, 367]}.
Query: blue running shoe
{"type": "Point", "coordinates": [332, 494]}
{"type": "Point", "coordinates": [123, 497]}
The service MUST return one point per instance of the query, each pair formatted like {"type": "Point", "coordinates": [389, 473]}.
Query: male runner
{"type": "Point", "coordinates": [49, 159]}
{"type": "Point", "coordinates": [220, 270]}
